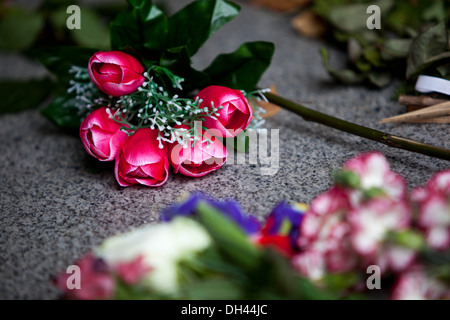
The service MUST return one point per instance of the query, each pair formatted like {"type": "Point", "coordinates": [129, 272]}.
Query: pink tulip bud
{"type": "Point", "coordinates": [115, 73]}
{"type": "Point", "coordinates": [200, 159]}
{"type": "Point", "coordinates": [235, 113]}
{"type": "Point", "coordinates": [101, 135]}
{"type": "Point", "coordinates": [141, 160]}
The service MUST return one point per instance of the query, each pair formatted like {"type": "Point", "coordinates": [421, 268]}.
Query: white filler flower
{"type": "Point", "coordinates": [163, 246]}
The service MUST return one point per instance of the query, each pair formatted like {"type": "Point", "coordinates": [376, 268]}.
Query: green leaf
{"type": "Point", "coordinates": [373, 192]}
{"type": "Point", "coordinates": [59, 60]}
{"type": "Point", "coordinates": [346, 76]}
{"type": "Point", "coordinates": [395, 49]}
{"type": "Point", "coordinates": [379, 78]}
{"type": "Point", "coordinates": [435, 11]}
{"type": "Point", "coordinates": [194, 24]}
{"type": "Point", "coordinates": [214, 289]}
{"type": "Point", "coordinates": [64, 113]}
{"type": "Point", "coordinates": [177, 60]}
{"type": "Point", "coordinates": [243, 68]}
{"type": "Point", "coordinates": [21, 95]}
{"type": "Point", "coordinates": [409, 239]}
{"type": "Point", "coordinates": [341, 281]}
{"type": "Point", "coordinates": [93, 33]}
{"type": "Point", "coordinates": [19, 28]}
{"type": "Point", "coordinates": [143, 26]}
{"type": "Point", "coordinates": [430, 43]}
{"type": "Point", "coordinates": [228, 236]}
{"type": "Point", "coordinates": [347, 178]}
{"type": "Point", "coordinates": [276, 276]}
{"type": "Point", "coordinates": [372, 55]}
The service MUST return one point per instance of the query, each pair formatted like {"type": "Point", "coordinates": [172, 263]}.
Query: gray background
{"type": "Point", "coordinates": [52, 210]}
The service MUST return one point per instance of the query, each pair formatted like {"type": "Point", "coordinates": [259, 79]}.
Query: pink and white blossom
{"type": "Point", "coordinates": [371, 224]}
{"type": "Point", "coordinates": [417, 285]}
{"type": "Point", "coordinates": [310, 264]}
{"type": "Point", "coordinates": [374, 171]}
{"type": "Point", "coordinates": [433, 203]}
{"type": "Point", "coordinates": [325, 231]}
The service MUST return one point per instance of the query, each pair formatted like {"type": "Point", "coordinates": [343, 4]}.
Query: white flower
{"type": "Point", "coordinates": [162, 246]}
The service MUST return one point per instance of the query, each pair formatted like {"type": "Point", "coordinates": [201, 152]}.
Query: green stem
{"type": "Point", "coordinates": [368, 133]}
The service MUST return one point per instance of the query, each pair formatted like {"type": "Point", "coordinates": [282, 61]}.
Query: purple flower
{"type": "Point", "coordinates": [284, 220]}
{"type": "Point", "coordinates": [233, 210]}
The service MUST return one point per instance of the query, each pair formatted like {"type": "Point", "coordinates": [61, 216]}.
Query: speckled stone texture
{"type": "Point", "coordinates": [53, 210]}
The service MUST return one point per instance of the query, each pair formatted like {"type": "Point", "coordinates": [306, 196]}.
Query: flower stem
{"type": "Point", "coordinates": [368, 133]}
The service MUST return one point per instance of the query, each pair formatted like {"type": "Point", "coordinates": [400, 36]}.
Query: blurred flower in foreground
{"type": "Point", "coordinates": [232, 209]}
{"type": "Point", "coordinates": [95, 278]}
{"type": "Point", "coordinates": [369, 175]}
{"type": "Point", "coordinates": [211, 249]}
{"type": "Point", "coordinates": [433, 203]}
{"type": "Point", "coordinates": [371, 224]}
{"type": "Point", "coordinates": [417, 285]}
{"type": "Point", "coordinates": [282, 228]}
{"type": "Point", "coordinates": [161, 247]}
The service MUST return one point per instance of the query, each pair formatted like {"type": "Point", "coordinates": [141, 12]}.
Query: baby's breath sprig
{"type": "Point", "coordinates": [151, 106]}
{"type": "Point", "coordinates": [87, 95]}
{"type": "Point", "coordinates": [254, 98]}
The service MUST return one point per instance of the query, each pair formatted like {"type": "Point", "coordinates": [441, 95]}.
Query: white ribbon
{"type": "Point", "coordinates": [427, 84]}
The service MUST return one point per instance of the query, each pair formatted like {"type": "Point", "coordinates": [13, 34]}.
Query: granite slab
{"type": "Point", "coordinates": [52, 210]}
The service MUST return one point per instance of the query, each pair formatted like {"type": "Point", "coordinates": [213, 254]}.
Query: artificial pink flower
{"type": "Point", "coordinates": [325, 231]}
{"type": "Point", "coordinates": [235, 115]}
{"type": "Point", "coordinates": [326, 211]}
{"type": "Point", "coordinates": [115, 73]}
{"type": "Point", "coordinates": [310, 264]}
{"type": "Point", "coordinates": [433, 202]}
{"type": "Point", "coordinates": [374, 172]}
{"type": "Point", "coordinates": [391, 257]}
{"type": "Point", "coordinates": [101, 135]}
{"type": "Point", "coordinates": [95, 279]}
{"type": "Point", "coordinates": [371, 222]}
{"type": "Point", "coordinates": [132, 272]}
{"type": "Point", "coordinates": [417, 285]}
{"type": "Point", "coordinates": [200, 159]}
{"type": "Point", "coordinates": [141, 160]}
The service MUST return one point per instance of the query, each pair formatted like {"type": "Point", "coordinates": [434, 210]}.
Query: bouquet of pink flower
{"type": "Point", "coordinates": [187, 133]}
{"type": "Point", "coordinates": [364, 234]}
{"type": "Point", "coordinates": [144, 106]}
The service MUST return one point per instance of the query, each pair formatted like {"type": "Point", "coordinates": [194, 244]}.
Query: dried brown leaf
{"type": "Point", "coordinates": [309, 24]}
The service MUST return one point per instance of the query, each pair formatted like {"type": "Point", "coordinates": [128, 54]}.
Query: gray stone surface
{"type": "Point", "coordinates": [53, 210]}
